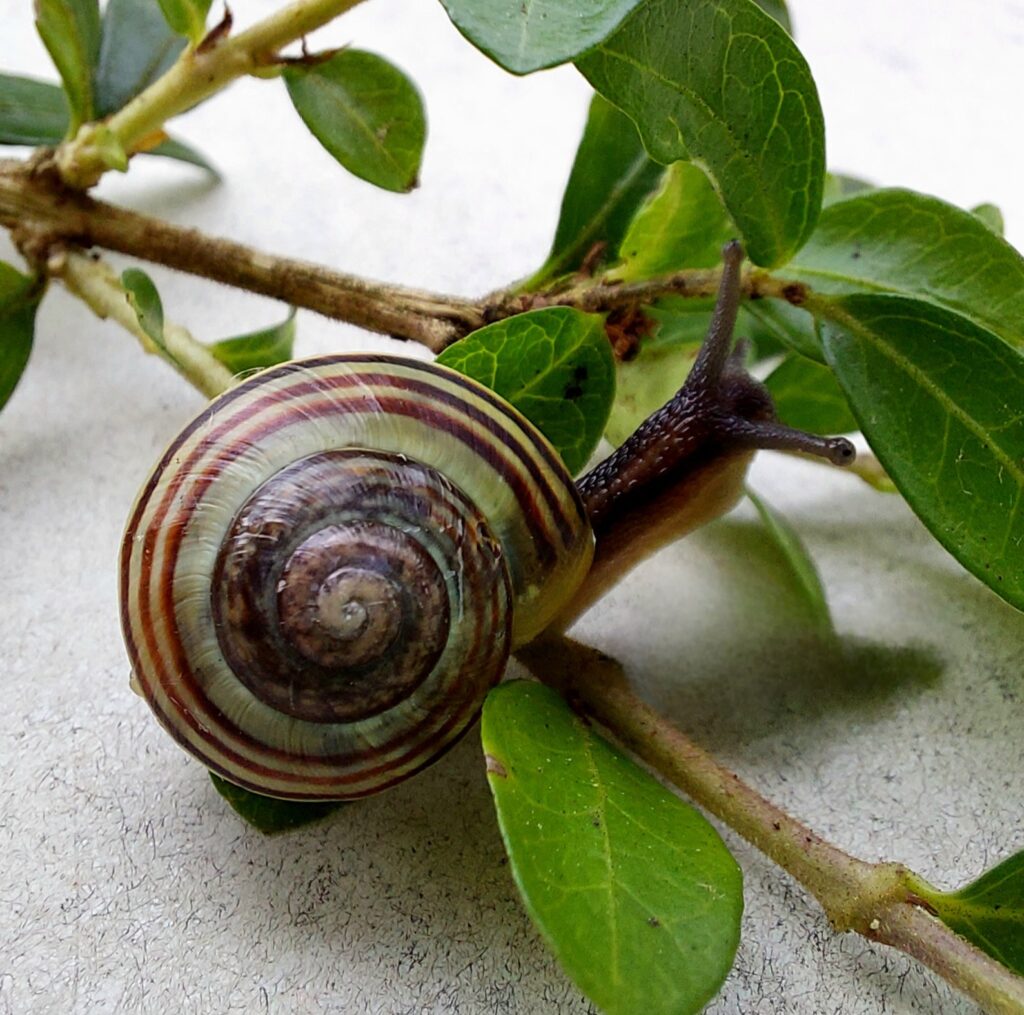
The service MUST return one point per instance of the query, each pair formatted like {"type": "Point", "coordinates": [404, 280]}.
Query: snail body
{"type": "Point", "coordinates": [311, 604]}
{"type": "Point", "coordinates": [329, 567]}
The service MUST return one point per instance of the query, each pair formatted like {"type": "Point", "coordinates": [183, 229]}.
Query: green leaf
{"type": "Point", "coordinates": [648, 381]}
{"type": "Point", "coordinates": [525, 37]}
{"type": "Point", "coordinates": [19, 298]}
{"type": "Point", "coordinates": [838, 187]}
{"type": "Point", "coordinates": [610, 177]}
{"type": "Point", "coordinates": [70, 30]}
{"type": "Point", "coordinates": [633, 889]}
{"type": "Point", "coordinates": [181, 152]}
{"type": "Point", "coordinates": [988, 912]}
{"type": "Point", "coordinates": [896, 241]}
{"type": "Point", "coordinates": [721, 84]}
{"type": "Point", "coordinates": [807, 396]}
{"type": "Point", "coordinates": [186, 17]}
{"type": "Point", "coordinates": [795, 567]}
{"type": "Point", "coordinates": [34, 113]}
{"type": "Point", "coordinates": [258, 349]}
{"type": "Point", "coordinates": [991, 215]}
{"type": "Point", "coordinates": [31, 112]}
{"type": "Point", "coordinates": [269, 815]}
{"type": "Point", "coordinates": [939, 400]}
{"type": "Point", "coordinates": [681, 225]}
{"type": "Point", "coordinates": [137, 47]}
{"type": "Point", "coordinates": [778, 10]}
{"type": "Point", "coordinates": [789, 326]}
{"type": "Point", "coordinates": [365, 112]}
{"type": "Point", "coordinates": [555, 366]}
{"type": "Point", "coordinates": [146, 302]}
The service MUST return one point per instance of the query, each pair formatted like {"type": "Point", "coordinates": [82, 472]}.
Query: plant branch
{"type": "Point", "coordinates": [41, 211]}
{"type": "Point", "coordinates": [35, 203]}
{"type": "Point", "coordinates": [876, 900]}
{"type": "Point", "coordinates": [195, 75]}
{"type": "Point", "coordinates": [99, 287]}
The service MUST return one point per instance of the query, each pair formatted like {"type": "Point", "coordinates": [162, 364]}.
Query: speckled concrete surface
{"type": "Point", "coordinates": [126, 885]}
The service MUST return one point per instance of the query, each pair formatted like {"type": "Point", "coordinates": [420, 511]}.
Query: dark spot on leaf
{"type": "Point", "coordinates": [572, 392]}
{"type": "Point", "coordinates": [596, 821]}
{"type": "Point", "coordinates": [654, 921]}
{"type": "Point", "coordinates": [495, 767]}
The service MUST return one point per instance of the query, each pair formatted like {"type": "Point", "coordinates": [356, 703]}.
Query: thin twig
{"type": "Point", "coordinates": [96, 284]}
{"type": "Point", "coordinates": [42, 211]}
{"type": "Point", "coordinates": [195, 75]}
{"type": "Point", "coordinates": [876, 900]}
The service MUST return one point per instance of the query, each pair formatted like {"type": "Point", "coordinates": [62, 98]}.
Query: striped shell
{"type": "Point", "coordinates": [327, 570]}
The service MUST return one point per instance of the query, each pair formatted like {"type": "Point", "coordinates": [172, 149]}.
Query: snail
{"type": "Point", "coordinates": [330, 566]}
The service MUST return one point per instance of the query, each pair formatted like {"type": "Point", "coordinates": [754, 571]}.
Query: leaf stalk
{"type": "Point", "coordinates": [877, 900]}
{"type": "Point", "coordinates": [198, 73]}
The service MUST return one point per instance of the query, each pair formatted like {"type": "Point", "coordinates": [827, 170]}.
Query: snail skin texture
{"type": "Point", "coordinates": [328, 569]}
{"type": "Point", "coordinates": [312, 606]}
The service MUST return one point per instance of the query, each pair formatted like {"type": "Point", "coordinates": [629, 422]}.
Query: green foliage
{"type": "Point", "coordinates": [795, 568]}
{"type": "Point", "coordinates": [365, 112]}
{"type": "Point", "coordinates": [778, 10]}
{"type": "Point", "coordinates": [707, 101]}
{"type": "Point", "coordinates": [31, 112]}
{"type": "Point", "coordinates": [808, 397]}
{"type": "Point", "coordinates": [542, 33]}
{"type": "Point", "coordinates": [269, 815]}
{"type": "Point", "coordinates": [186, 17]}
{"type": "Point", "coordinates": [988, 912]}
{"type": "Point", "coordinates": [34, 113]}
{"type": "Point", "coordinates": [555, 366]}
{"type": "Point", "coordinates": [647, 382]}
{"type": "Point", "coordinates": [137, 47]}
{"type": "Point", "coordinates": [632, 888]}
{"type": "Point", "coordinates": [991, 216]}
{"type": "Point", "coordinates": [19, 298]}
{"type": "Point", "coordinates": [146, 302]}
{"type": "Point", "coordinates": [70, 30]}
{"type": "Point", "coordinates": [938, 398]}
{"type": "Point", "coordinates": [610, 177]}
{"type": "Point", "coordinates": [896, 241]}
{"type": "Point", "coordinates": [681, 225]}
{"type": "Point", "coordinates": [258, 349]}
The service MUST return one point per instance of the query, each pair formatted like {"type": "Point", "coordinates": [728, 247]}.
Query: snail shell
{"type": "Point", "coordinates": [327, 570]}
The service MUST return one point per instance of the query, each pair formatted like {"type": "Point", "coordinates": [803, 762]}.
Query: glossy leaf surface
{"type": "Point", "coordinates": [555, 366]}
{"type": "Point", "coordinates": [632, 888]}
{"type": "Point", "coordinates": [524, 37]}
{"type": "Point", "coordinates": [795, 567]}
{"type": "Point", "coordinates": [808, 396]}
{"type": "Point", "coordinates": [611, 176]}
{"type": "Point", "coordinates": [19, 298]}
{"type": "Point", "coordinates": [939, 400]}
{"type": "Point", "coordinates": [137, 47]}
{"type": "Point", "coordinates": [681, 225]}
{"type": "Point", "coordinates": [988, 912]}
{"type": "Point", "coordinates": [146, 302]}
{"type": "Point", "coordinates": [31, 112]}
{"type": "Point", "coordinates": [269, 815]}
{"type": "Point", "coordinates": [34, 113]}
{"type": "Point", "coordinates": [720, 83]}
{"type": "Point", "coordinates": [70, 30]}
{"type": "Point", "coordinates": [186, 17]}
{"type": "Point", "coordinates": [366, 113]}
{"type": "Point", "coordinates": [258, 349]}
{"type": "Point", "coordinates": [897, 241]}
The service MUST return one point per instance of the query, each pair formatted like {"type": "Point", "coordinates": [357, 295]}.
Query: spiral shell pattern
{"type": "Point", "coordinates": [328, 568]}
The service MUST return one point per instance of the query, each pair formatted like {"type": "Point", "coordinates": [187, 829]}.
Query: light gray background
{"type": "Point", "coordinates": [126, 885]}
